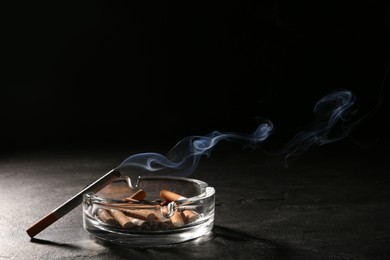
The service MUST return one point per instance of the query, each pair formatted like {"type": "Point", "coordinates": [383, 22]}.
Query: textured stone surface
{"type": "Point", "coordinates": [323, 206]}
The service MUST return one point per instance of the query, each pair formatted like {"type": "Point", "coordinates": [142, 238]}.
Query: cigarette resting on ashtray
{"type": "Point", "coordinates": [72, 203]}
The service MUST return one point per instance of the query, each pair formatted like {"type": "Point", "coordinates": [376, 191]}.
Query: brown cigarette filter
{"type": "Point", "coordinates": [106, 217]}
{"type": "Point", "coordinates": [72, 203]}
{"type": "Point", "coordinates": [144, 214]}
{"type": "Point", "coordinates": [138, 196]}
{"type": "Point", "coordinates": [170, 196]}
{"type": "Point", "coordinates": [189, 215]}
{"type": "Point", "coordinates": [177, 219]}
{"type": "Point", "coordinates": [42, 224]}
{"type": "Point", "coordinates": [122, 219]}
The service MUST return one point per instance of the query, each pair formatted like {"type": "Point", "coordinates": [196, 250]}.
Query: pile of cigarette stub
{"type": "Point", "coordinates": [148, 215]}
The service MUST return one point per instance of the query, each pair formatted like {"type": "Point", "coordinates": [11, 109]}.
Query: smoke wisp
{"type": "Point", "coordinates": [184, 157]}
{"type": "Point", "coordinates": [332, 115]}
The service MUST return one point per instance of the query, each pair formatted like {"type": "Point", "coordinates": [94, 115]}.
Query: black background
{"type": "Point", "coordinates": [99, 73]}
{"type": "Point", "coordinates": [86, 84]}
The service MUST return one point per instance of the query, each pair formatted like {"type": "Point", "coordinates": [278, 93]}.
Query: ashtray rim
{"type": "Point", "coordinates": [208, 191]}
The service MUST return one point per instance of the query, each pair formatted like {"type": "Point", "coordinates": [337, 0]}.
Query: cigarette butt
{"type": "Point", "coordinates": [170, 196]}
{"type": "Point", "coordinates": [131, 200]}
{"type": "Point", "coordinates": [122, 219]}
{"type": "Point", "coordinates": [162, 219]}
{"type": "Point", "coordinates": [138, 196]}
{"type": "Point", "coordinates": [105, 216]}
{"type": "Point", "coordinates": [144, 214]}
{"type": "Point", "coordinates": [177, 219]}
{"type": "Point", "coordinates": [164, 223]}
{"type": "Point", "coordinates": [189, 215]}
{"type": "Point", "coordinates": [137, 222]}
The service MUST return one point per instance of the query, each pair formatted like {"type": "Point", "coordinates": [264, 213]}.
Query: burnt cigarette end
{"type": "Point", "coordinates": [106, 217]}
{"type": "Point", "coordinates": [169, 196]}
{"type": "Point", "coordinates": [144, 214]}
{"type": "Point", "coordinates": [122, 219]}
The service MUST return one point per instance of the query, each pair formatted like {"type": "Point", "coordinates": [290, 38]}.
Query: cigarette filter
{"type": "Point", "coordinates": [177, 219]}
{"type": "Point", "coordinates": [170, 196]}
{"type": "Point", "coordinates": [144, 214]}
{"type": "Point", "coordinates": [69, 205]}
{"type": "Point", "coordinates": [105, 216]}
{"type": "Point", "coordinates": [122, 219]}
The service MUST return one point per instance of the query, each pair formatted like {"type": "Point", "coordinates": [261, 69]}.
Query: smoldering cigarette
{"type": "Point", "coordinates": [106, 217]}
{"type": "Point", "coordinates": [72, 203]}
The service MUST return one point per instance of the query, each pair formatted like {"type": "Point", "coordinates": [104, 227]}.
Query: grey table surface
{"type": "Point", "coordinates": [326, 205]}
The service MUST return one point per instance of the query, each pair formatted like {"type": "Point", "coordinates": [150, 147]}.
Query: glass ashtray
{"type": "Point", "coordinates": [156, 211]}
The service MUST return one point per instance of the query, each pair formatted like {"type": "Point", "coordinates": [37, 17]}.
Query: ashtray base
{"type": "Point", "coordinates": [149, 239]}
